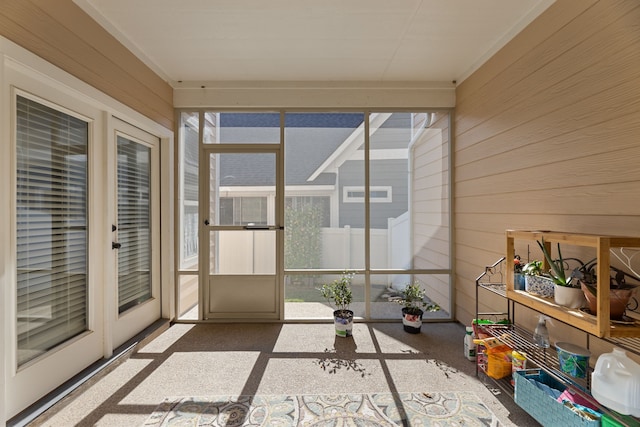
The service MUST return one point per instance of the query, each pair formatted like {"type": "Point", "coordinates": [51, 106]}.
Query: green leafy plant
{"type": "Point", "coordinates": [532, 268]}
{"type": "Point", "coordinates": [557, 272]}
{"type": "Point", "coordinates": [586, 274]}
{"type": "Point", "coordinates": [413, 299]}
{"type": "Point", "coordinates": [559, 268]}
{"type": "Point", "coordinates": [303, 237]}
{"type": "Point", "coordinates": [338, 293]}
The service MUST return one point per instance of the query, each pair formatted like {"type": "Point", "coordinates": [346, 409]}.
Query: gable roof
{"type": "Point", "coordinates": [310, 138]}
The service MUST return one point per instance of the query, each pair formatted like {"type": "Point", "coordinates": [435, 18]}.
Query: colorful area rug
{"type": "Point", "coordinates": [362, 410]}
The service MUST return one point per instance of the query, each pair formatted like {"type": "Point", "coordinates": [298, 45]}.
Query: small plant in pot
{"type": "Point", "coordinates": [339, 295]}
{"type": "Point", "coordinates": [518, 275]}
{"type": "Point", "coordinates": [414, 306]}
{"type": "Point", "coordinates": [566, 291]}
{"type": "Point", "coordinates": [620, 292]}
{"type": "Point", "coordinates": [535, 281]}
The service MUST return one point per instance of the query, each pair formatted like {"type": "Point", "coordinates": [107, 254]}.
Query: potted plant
{"type": "Point", "coordinates": [565, 293]}
{"type": "Point", "coordinates": [620, 292]}
{"type": "Point", "coordinates": [414, 306]}
{"type": "Point", "coordinates": [535, 281]}
{"type": "Point", "coordinates": [339, 295]}
{"type": "Point", "coordinates": [518, 275]}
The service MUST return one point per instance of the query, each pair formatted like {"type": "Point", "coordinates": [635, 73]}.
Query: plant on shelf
{"type": "Point", "coordinates": [620, 292]}
{"type": "Point", "coordinates": [532, 268]}
{"type": "Point", "coordinates": [518, 275]}
{"type": "Point", "coordinates": [535, 281]}
{"type": "Point", "coordinates": [565, 292]}
{"type": "Point", "coordinates": [557, 271]}
{"type": "Point", "coordinates": [414, 305]}
{"type": "Point", "coordinates": [339, 295]}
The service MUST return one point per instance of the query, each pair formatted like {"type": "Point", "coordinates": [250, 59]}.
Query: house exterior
{"type": "Point", "coordinates": [544, 136]}
{"type": "Point", "coordinates": [317, 163]}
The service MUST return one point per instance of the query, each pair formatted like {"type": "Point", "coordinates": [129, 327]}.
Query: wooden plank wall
{"type": "Point", "coordinates": [547, 136]}
{"type": "Point", "coordinates": [63, 34]}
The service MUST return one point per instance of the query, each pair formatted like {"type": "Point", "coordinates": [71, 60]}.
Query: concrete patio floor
{"type": "Point", "coordinates": [214, 359]}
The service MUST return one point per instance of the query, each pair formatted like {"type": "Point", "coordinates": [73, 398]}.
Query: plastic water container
{"type": "Point", "coordinates": [469, 345]}
{"type": "Point", "coordinates": [615, 382]}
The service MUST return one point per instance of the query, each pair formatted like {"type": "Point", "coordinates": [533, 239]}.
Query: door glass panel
{"type": "Point", "coordinates": [242, 188]}
{"type": "Point", "coordinates": [243, 252]}
{"type": "Point", "coordinates": [51, 216]}
{"type": "Point", "coordinates": [241, 128]}
{"type": "Point", "coordinates": [134, 225]}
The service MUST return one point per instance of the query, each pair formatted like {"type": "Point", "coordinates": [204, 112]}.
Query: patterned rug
{"type": "Point", "coordinates": [361, 410]}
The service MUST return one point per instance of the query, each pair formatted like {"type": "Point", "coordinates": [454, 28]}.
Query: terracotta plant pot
{"type": "Point", "coordinates": [618, 300]}
{"type": "Point", "coordinates": [412, 320]}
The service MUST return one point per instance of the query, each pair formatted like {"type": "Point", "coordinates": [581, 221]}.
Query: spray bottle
{"type": "Point", "coordinates": [541, 333]}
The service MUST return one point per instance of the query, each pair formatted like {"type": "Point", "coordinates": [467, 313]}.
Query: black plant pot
{"type": "Point", "coordinates": [412, 320]}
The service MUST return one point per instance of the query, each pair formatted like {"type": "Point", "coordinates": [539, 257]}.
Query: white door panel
{"type": "Point", "coordinates": [135, 235]}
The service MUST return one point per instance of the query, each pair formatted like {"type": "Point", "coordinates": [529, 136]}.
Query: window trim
{"type": "Point", "coordinates": [350, 199]}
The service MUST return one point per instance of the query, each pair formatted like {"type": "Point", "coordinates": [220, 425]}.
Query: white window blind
{"type": "Point", "coordinates": [51, 213]}
{"type": "Point", "coordinates": [134, 225]}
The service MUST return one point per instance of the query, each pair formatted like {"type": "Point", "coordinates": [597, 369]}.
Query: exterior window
{"type": "Point", "coordinates": [376, 195]}
{"type": "Point", "coordinates": [243, 210]}
{"type": "Point", "coordinates": [52, 239]}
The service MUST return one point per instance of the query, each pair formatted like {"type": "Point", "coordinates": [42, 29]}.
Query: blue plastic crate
{"type": "Point", "coordinates": [543, 407]}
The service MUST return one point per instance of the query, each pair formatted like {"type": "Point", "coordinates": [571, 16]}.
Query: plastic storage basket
{"type": "Point", "coordinates": [498, 365]}
{"type": "Point", "coordinates": [544, 408]}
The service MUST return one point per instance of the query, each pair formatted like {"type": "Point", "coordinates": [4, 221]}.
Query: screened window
{"type": "Point", "coordinates": [51, 224]}
{"type": "Point", "coordinates": [320, 203]}
{"type": "Point", "coordinates": [188, 195]}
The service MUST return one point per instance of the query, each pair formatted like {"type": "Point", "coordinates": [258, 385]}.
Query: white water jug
{"type": "Point", "coordinates": [615, 382]}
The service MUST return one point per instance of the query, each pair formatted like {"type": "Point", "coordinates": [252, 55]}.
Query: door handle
{"type": "Point", "coordinates": [256, 227]}
{"type": "Point", "coordinates": [206, 222]}
{"type": "Point", "coordinates": [263, 227]}
{"type": "Point", "coordinates": [116, 245]}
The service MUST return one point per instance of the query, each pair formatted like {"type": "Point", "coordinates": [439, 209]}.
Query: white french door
{"type": "Point", "coordinates": [241, 233]}
{"type": "Point", "coordinates": [135, 229]}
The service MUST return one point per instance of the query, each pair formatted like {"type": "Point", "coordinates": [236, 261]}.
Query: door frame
{"type": "Point", "coordinates": [205, 229]}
